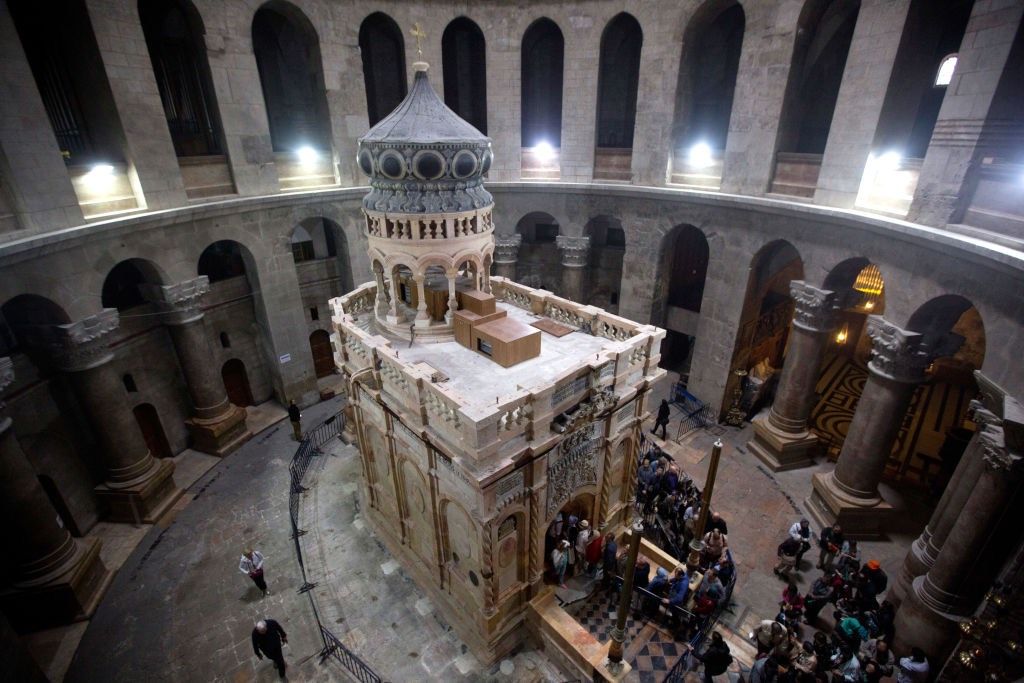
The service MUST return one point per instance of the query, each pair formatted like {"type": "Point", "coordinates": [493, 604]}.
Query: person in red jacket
{"type": "Point", "coordinates": [593, 553]}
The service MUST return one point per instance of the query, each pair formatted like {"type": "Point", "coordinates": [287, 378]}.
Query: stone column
{"type": "Point", "coordinates": [575, 260]}
{"type": "Point", "coordinates": [138, 487]}
{"type": "Point", "coordinates": [964, 132]}
{"type": "Point", "coordinates": [381, 302]}
{"type": "Point", "coordinates": [453, 303]}
{"type": "Point", "coordinates": [506, 254]}
{"type": "Point", "coordinates": [849, 494]}
{"type": "Point", "coordinates": [394, 315]}
{"type": "Point", "coordinates": [781, 438]}
{"type": "Point", "coordinates": [926, 548]}
{"type": "Point", "coordinates": [422, 317]}
{"type": "Point", "coordinates": [217, 427]}
{"type": "Point", "coordinates": [937, 601]}
{"type": "Point", "coordinates": [57, 579]}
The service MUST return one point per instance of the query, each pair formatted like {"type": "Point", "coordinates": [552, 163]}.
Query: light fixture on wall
{"type": "Point", "coordinates": [100, 177]}
{"type": "Point", "coordinates": [700, 155]}
{"type": "Point", "coordinates": [843, 334]}
{"type": "Point", "coordinates": [869, 305]}
{"type": "Point", "coordinates": [307, 155]}
{"type": "Point", "coordinates": [544, 152]}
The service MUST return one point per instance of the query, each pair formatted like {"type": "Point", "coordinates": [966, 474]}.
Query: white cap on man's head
{"type": "Point", "coordinates": [261, 625]}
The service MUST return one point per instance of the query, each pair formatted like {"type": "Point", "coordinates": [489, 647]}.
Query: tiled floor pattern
{"type": "Point", "coordinates": [650, 648]}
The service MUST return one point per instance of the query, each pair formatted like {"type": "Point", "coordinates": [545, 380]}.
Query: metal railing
{"type": "Point", "coordinates": [696, 415]}
{"type": "Point", "coordinates": [682, 666]}
{"type": "Point", "coordinates": [309, 447]}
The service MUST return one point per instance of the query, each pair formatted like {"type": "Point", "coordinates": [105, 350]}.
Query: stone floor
{"type": "Point", "coordinates": [180, 610]}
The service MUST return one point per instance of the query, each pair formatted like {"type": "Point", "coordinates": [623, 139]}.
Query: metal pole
{"type": "Point", "coordinates": [618, 633]}
{"type": "Point", "coordinates": [697, 544]}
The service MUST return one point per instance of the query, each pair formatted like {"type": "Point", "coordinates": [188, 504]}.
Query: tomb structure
{"type": "Point", "coordinates": [482, 407]}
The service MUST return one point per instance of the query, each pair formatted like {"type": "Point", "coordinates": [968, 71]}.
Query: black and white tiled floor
{"type": "Point", "coordinates": [650, 648]}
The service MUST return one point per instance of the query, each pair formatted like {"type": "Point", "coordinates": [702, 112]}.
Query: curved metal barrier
{"type": "Point", "coordinates": [309, 448]}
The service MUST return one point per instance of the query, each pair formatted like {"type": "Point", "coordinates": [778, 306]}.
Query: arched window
{"type": "Point", "coordinates": [225, 340]}
{"type": "Point", "coordinates": [945, 73]}
{"type": "Point", "coordinates": [129, 383]}
{"type": "Point", "coordinates": [463, 55]}
{"type": "Point", "coordinates": [71, 79]}
{"type": "Point", "coordinates": [302, 245]}
{"type": "Point", "coordinates": [619, 77]}
{"type": "Point", "coordinates": [174, 31]}
{"type": "Point", "coordinates": [288, 58]}
{"type": "Point", "coordinates": [543, 55]}
{"type": "Point", "coordinates": [382, 47]}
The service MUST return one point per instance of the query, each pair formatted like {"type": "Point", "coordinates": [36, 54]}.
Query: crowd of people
{"type": "Point", "coordinates": [797, 645]}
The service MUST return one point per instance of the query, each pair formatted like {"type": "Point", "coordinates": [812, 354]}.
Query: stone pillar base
{"type": "Point", "coordinates": [918, 625]}
{"type": "Point", "coordinates": [219, 436]}
{"type": "Point", "coordinates": [860, 518]}
{"type": "Point", "coordinates": [915, 564]}
{"type": "Point", "coordinates": [145, 502]}
{"type": "Point", "coordinates": [72, 596]}
{"type": "Point", "coordinates": [780, 450]}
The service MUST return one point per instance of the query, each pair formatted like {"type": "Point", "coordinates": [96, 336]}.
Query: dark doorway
{"type": "Point", "coordinates": [57, 500]}
{"type": "Point", "coordinates": [236, 382]}
{"type": "Point", "coordinates": [152, 430]}
{"type": "Point", "coordinates": [323, 354]}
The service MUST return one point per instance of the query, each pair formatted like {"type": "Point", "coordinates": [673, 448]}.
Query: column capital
{"type": "Point", "coordinates": [998, 458]}
{"type": "Point", "coordinates": [82, 345]}
{"type": "Point", "coordinates": [506, 248]}
{"type": "Point", "coordinates": [179, 302]}
{"type": "Point", "coordinates": [575, 250]}
{"type": "Point", "coordinates": [815, 308]}
{"type": "Point", "coordinates": [896, 354]}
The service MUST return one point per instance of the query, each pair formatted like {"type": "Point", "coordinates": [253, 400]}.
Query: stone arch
{"type": "Point", "coordinates": [511, 550]}
{"type": "Point", "coordinates": [824, 33]}
{"type": "Point", "coordinates": [618, 81]}
{"type": "Point", "coordinates": [464, 64]}
{"type": "Point", "coordinates": [542, 63]}
{"type": "Point", "coordinates": [953, 329]}
{"type": "Point", "coordinates": [121, 287]}
{"type": "Point", "coordinates": [607, 251]}
{"type": "Point", "coordinates": [765, 317]}
{"type": "Point", "coordinates": [861, 289]}
{"type": "Point", "coordinates": [382, 46]}
{"type": "Point", "coordinates": [287, 50]}
{"type": "Point", "coordinates": [460, 545]}
{"type": "Point", "coordinates": [708, 64]}
{"type": "Point", "coordinates": [174, 33]}
{"type": "Point", "coordinates": [679, 292]}
{"type": "Point", "coordinates": [539, 261]}
{"type": "Point", "coordinates": [418, 511]}
{"type": "Point", "coordinates": [26, 319]}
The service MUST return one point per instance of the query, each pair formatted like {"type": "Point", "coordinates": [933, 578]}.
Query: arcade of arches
{"type": "Point", "coordinates": [826, 221]}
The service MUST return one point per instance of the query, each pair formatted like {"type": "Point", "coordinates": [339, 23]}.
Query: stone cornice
{"type": "Point", "coordinates": [815, 308]}
{"type": "Point", "coordinates": [896, 354]}
{"type": "Point", "coordinates": [987, 254]}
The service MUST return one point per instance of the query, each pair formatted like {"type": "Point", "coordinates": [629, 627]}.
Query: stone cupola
{"type": "Point", "coordinates": [428, 215]}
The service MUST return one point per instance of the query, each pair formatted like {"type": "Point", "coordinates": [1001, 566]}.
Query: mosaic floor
{"type": "Point", "coordinates": [934, 409]}
{"type": "Point", "coordinates": [650, 649]}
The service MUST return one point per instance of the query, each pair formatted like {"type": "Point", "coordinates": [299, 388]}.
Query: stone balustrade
{"type": "Point", "coordinates": [420, 227]}
{"type": "Point", "coordinates": [512, 421]}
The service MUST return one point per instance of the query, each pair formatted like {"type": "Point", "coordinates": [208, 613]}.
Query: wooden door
{"type": "Point", "coordinates": [323, 353]}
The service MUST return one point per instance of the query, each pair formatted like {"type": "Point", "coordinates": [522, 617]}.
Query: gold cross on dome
{"type": "Point", "coordinates": [419, 34]}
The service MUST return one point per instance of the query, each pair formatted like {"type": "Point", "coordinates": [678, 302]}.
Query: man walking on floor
{"type": "Point", "coordinates": [267, 638]}
{"type": "Point", "coordinates": [296, 419]}
{"type": "Point", "coordinates": [251, 565]}
{"type": "Point", "coordinates": [662, 420]}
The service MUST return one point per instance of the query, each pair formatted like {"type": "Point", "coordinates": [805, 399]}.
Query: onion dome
{"type": "Point", "coordinates": [425, 158]}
